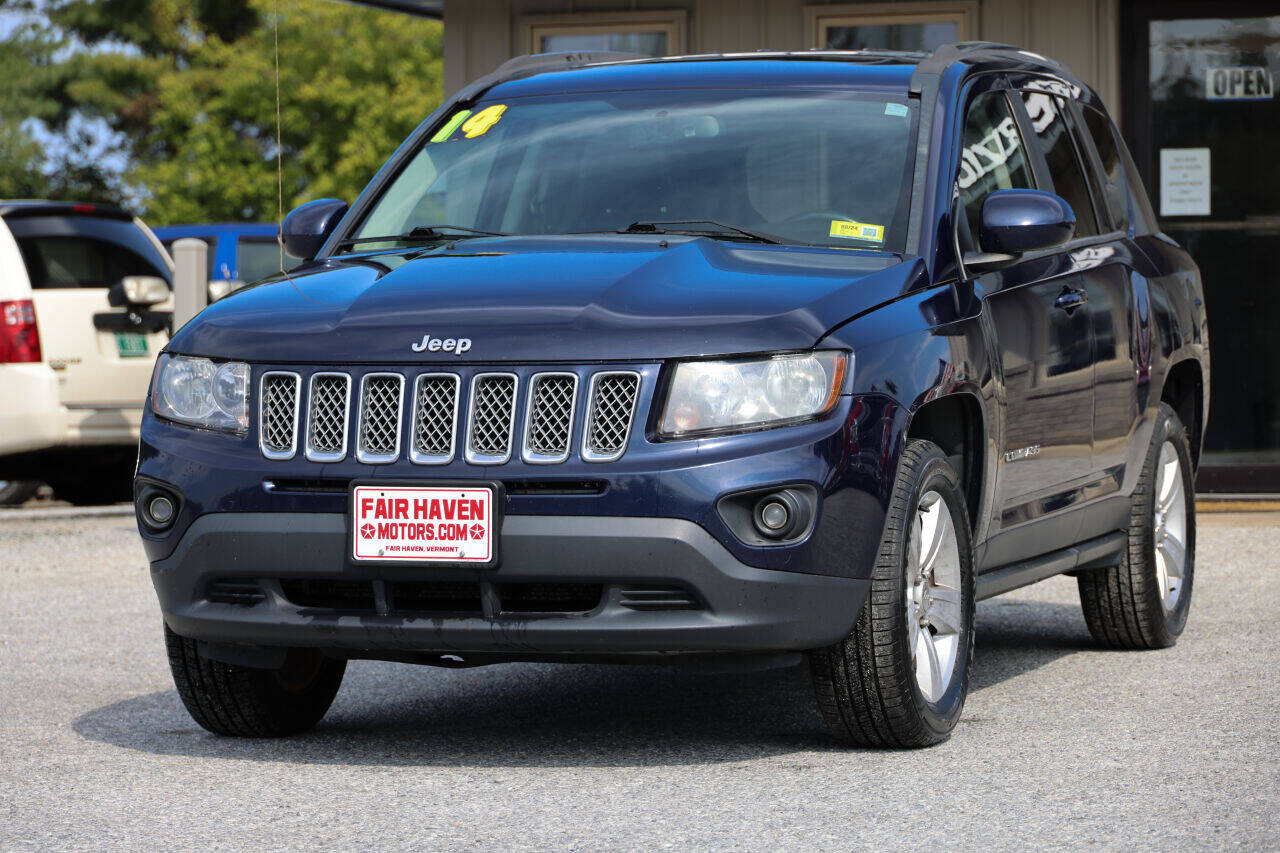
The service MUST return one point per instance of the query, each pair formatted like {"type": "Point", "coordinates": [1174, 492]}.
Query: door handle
{"type": "Point", "coordinates": [1069, 300]}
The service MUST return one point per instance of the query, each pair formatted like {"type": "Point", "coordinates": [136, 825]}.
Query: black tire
{"type": "Point", "coordinates": [866, 684]}
{"type": "Point", "coordinates": [1123, 604]}
{"type": "Point", "coordinates": [238, 701]}
{"type": "Point", "coordinates": [14, 492]}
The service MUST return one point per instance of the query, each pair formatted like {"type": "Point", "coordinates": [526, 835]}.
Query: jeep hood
{"type": "Point", "coordinates": [632, 298]}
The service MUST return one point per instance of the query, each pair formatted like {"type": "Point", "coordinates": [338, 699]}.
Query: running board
{"type": "Point", "coordinates": [1094, 553]}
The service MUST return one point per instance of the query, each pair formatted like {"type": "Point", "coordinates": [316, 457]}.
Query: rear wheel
{"type": "Point", "coordinates": [14, 492]}
{"type": "Point", "coordinates": [1143, 602]}
{"type": "Point", "coordinates": [243, 702]}
{"type": "Point", "coordinates": [900, 678]}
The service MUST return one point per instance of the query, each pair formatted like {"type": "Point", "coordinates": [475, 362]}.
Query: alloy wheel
{"type": "Point", "coordinates": [934, 628]}
{"type": "Point", "coordinates": [1169, 524]}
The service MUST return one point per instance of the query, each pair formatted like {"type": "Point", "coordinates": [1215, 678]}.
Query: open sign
{"type": "Point", "coordinates": [1240, 83]}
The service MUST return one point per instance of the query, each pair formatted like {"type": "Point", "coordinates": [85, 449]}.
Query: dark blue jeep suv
{"type": "Point", "coordinates": [743, 356]}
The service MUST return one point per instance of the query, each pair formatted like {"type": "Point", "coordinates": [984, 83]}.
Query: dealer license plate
{"type": "Point", "coordinates": [425, 524]}
{"type": "Point", "coordinates": [131, 345]}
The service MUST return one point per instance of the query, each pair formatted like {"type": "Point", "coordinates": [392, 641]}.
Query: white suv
{"type": "Point", "coordinates": [85, 306]}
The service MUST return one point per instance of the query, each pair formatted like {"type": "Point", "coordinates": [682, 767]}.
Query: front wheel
{"type": "Point", "coordinates": [240, 701]}
{"type": "Point", "coordinates": [900, 678]}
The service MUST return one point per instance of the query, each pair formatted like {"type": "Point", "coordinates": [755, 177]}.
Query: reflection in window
{"type": "Point", "coordinates": [993, 158]}
{"type": "Point", "coordinates": [1049, 118]}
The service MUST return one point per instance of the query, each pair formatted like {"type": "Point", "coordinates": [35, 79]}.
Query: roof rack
{"type": "Point", "coordinates": [539, 63]}
{"type": "Point", "coordinates": [975, 51]}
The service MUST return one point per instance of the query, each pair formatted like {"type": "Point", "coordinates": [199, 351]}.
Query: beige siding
{"type": "Point", "coordinates": [482, 34]}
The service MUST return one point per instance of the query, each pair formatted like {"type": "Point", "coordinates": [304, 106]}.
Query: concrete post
{"type": "Point", "coordinates": [190, 279]}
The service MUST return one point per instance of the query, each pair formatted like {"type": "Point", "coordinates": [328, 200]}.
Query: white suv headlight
{"type": "Point", "coordinates": [748, 394]}
{"type": "Point", "coordinates": [202, 393]}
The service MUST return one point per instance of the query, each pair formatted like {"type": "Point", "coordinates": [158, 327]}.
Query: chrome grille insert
{"type": "Point", "coordinates": [381, 395]}
{"type": "Point", "coordinates": [611, 407]}
{"type": "Point", "coordinates": [328, 401]}
{"type": "Point", "coordinates": [548, 417]}
{"type": "Point", "coordinates": [491, 418]}
{"type": "Point", "coordinates": [435, 418]}
{"type": "Point", "coordinates": [279, 394]}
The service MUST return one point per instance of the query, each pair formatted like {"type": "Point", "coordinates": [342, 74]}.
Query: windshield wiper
{"type": "Point", "coordinates": [684, 227]}
{"type": "Point", "coordinates": [423, 233]}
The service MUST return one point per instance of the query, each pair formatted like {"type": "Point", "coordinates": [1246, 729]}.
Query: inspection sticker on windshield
{"type": "Point", "coordinates": [424, 524]}
{"type": "Point", "coordinates": [857, 230]}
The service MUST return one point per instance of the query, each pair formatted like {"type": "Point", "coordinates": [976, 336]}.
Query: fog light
{"type": "Point", "coordinates": [161, 510]}
{"type": "Point", "coordinates": [779, 515]}
{"type": "Point", "coordinates": [156, 507]}
{"type": "Point", "coordinates": [774, 515]}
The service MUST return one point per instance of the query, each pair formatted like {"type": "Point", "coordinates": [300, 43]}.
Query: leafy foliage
{"type": "Point", "coordinates": [189, 88]}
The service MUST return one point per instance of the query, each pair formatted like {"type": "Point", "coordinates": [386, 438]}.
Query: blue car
{"type": "Point", "coordinates": [239, 252]}
{"type": "Point", "coordinates": [747, 358]}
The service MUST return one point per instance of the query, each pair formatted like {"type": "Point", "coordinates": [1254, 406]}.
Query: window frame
{"type": "Point", "coordinates": [1084, 156]}
{"type": "Point", "coordinates": [672, 22]}
{"type": "Point", "coordinates": [964, 13]}
{"type": "Point", "coordinates": [978, 87]}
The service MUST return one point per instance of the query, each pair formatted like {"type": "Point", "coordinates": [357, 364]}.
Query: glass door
{"type": "Point", "coordinates": [1202, 118]}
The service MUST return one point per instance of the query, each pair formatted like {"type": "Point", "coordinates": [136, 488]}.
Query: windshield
{"type": "Point", "coordinates": [825, 168]}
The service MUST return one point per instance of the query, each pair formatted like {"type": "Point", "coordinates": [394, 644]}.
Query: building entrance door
{"type": "Point", "coordinates": [1202, 115]}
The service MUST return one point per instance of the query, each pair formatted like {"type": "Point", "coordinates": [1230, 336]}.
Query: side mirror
{"type": "Point", "coordinates": [1014, 222]}
{"type": "Point", "coordinates": [306, 228]}
{"type": "Point", "coordinates": [144, 289]}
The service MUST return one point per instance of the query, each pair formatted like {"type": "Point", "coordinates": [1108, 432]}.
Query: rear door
{"type": "Point", "coordinates": [1043, 348]}
{"type": "Point", "coordinates": [72, 260]}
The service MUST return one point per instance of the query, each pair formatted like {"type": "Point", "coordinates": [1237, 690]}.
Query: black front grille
{"type": "Point", "coordinates": [549, 597]}
{"type": "Point", "coordinates": [330, 594]}
{"type": "Point", "coordinates": [243, 592]}
{"type": "Point", "coordinates": [461, 597]}
{"type": "Point", "coordinates": [657, 598]}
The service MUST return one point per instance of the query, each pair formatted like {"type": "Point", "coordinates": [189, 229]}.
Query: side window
{"type": "Point", "coordinates": [1113, 170]}
{"type": "Point", "coordinates": [993, 158]}
{"type": "Point", "coordinates": [1049, 119]}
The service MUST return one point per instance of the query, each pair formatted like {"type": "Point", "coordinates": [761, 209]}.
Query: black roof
{"type": "Point", "coordinates": [35, 207]}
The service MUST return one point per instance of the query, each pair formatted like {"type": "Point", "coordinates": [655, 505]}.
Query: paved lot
{"type": "Point", "coordinates": [1061, 745]}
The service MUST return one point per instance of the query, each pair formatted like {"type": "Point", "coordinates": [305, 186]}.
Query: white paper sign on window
{"type": "Point", "coordinates": [1184, 182]}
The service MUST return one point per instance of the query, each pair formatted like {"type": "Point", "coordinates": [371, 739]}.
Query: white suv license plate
{"type": "Point", "coordinates": [455, 525]}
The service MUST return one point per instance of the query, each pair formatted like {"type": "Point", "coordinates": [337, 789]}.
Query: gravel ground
{"type": "Point", "coordinates": [1061, 745]}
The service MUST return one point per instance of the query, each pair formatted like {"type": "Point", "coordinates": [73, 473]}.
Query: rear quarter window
{"type": "Point", "coordinates": [76, 252]}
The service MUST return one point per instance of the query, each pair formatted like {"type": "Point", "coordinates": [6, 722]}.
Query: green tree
{"type": "Point", "coordinates": [189, 86]}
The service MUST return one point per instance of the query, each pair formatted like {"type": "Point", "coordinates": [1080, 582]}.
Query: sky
{"type": "Point", "coordinates": [55, 144]}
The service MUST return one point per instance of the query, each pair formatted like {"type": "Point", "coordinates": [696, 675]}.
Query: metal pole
{"type": "Point", "coordinates": [190, 279]}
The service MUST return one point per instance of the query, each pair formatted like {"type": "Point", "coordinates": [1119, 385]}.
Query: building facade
{"type": "Point", "coordinates": [1191, 82]}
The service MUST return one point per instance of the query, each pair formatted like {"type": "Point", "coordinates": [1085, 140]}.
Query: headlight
{"type": "Point", "coordinates": [731, 396]}
{"type": "Point", "coordinates": [203, 393]}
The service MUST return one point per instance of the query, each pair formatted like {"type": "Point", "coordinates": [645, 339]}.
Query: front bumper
{"type": "Point", "coordinates": [664, 586]}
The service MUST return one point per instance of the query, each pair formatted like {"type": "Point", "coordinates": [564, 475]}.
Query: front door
{"type": "Point", "coordinates": [1202, 116]}
{"type": "Point", "coordinates": [1043, 349]}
